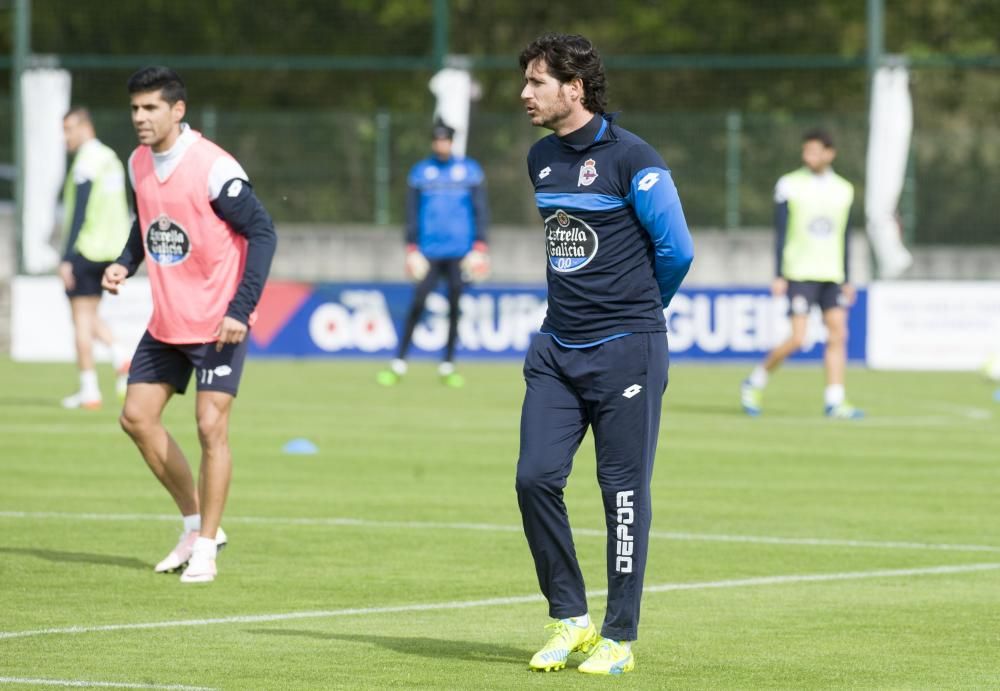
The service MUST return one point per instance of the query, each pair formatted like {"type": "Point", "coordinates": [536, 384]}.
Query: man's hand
{"type": "Point", "coordinates": [228, 331]}
{"type": "Point", "coordinates": [114, 278]}
{"type": "Point", "coordinates": [417, 265]}
{"type": "Point", "coordinates": [66, 274]}
{"type": "Point", "coordinates": [779, 286]}
{"type": "Point", "coordinates": [850, 294]}
{"type": "Point", "coordinates": [476, 264]}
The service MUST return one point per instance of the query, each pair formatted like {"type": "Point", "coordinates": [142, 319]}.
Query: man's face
{"type": "Point", "coordinates": [77, 130]}
{"type": "Point", "coordinates": [441, 147]}
{"type": "Point", "coordinates": [545, 98]}
{"type": "Point", "coordinates": [156, 122]}
{"type": "Point", "coordinates": [817, 156]}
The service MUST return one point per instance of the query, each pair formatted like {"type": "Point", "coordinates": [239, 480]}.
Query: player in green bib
{"type": "Point", "coordinates": [812, 206]}
{"type": "Point", "coordinates": [97, 225]}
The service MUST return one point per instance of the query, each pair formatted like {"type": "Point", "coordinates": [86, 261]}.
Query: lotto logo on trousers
{"type": "Point", "coordinates": [625, 541]}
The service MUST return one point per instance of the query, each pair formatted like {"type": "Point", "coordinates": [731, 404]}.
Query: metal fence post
{"type": "Point", "coordinates": [908, 203]}
{"type": "Point", "coordinates": [734, 173]}
{"type": "Point", "coordinates": [209, 122]}
{"type": "Point", "coordinates": [21, 50]}
{"type": "Point", "coordinates": [383, 167]}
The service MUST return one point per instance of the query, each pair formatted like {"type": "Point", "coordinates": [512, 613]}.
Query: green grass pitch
{"type": "Point", "coordinates": [790, 551]}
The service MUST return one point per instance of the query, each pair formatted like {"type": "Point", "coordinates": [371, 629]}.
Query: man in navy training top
{"type": "Point", "coordinates": [446, 220]}
{"type": "Point", "coordinates": [618, 248]}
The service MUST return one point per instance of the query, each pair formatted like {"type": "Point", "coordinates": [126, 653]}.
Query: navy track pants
{"type": "Point", "coordinates": [616, 388]}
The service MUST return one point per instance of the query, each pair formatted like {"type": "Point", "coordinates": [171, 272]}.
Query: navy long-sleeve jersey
{"type": "Point", "coordinates": [617, 242]}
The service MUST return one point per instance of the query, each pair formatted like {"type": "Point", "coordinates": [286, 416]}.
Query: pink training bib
{"type": "Point", "coordinates": [194, 259]}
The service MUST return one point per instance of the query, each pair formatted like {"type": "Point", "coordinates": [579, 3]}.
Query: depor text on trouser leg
{"type": "Point", "coordinates": [626, 428]}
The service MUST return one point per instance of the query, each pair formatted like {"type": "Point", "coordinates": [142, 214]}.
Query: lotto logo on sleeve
{"type": "Point", "coordinates": [167, 243]}
{"type": "Point", "coordinates": [648, 181]}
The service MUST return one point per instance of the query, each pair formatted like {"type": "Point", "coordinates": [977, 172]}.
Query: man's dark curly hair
{"type": "Point", "coordinates": [568, 57]}
{"type": "Point", "coordinates": [162, 79]}
{"type": "Point", "coordinates": [818, 134]}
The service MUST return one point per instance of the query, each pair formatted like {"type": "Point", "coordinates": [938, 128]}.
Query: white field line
{"type": "Point", "coordinates": [498, 528]}
{"type": "Point", "coordinates": [98, 684]}
{"type": "Point", "coordinates": [517, 600]}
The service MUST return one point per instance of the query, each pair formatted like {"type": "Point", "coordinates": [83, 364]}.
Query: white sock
{"type": "Point", "coordinates": [192, 522]}
{"type": "Point", "coordinates": [583, 621]}
{"type": "Point", "coordinates": [758, 377]}
{"type": "Point", "coordinates": [398, 366]}
{"type": "Point", "coordinates": [446, 368]}
{"type": "Point", "coordinates": [205, 546]}
{"type": "Point", "coordinates": [834, 394]}
{"type": "Point", "coordinates": [88, 385]}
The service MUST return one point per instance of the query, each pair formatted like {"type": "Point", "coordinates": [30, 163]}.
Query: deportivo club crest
{"type": "Point", "coordinates": [167, 243]}
{"type": "Point", "coordinates": [588, 173]}
{"type": "Point", "coordinates": [569, 242]}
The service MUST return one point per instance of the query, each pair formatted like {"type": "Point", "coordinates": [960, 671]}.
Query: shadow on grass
{"type": "Point", "coordinates": [78, 557]}
{"type": "Point", "coordinates": [417, 645]}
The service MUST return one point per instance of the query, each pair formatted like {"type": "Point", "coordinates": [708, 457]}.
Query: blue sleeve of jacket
{"type": "Point", "coordinates": [79, 216]}
{"type": "Point", "coordinates": [780, 232]}
{"type": "Point", "coordinates": [653, 195]}
{"type": "Point", "coordinates": [246, 215]}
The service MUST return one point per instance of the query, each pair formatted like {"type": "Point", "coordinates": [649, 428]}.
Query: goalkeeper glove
{"type": "Point", "coordinates": [417, 265]}
{"type": "Point", "coordinates": [476, 264]}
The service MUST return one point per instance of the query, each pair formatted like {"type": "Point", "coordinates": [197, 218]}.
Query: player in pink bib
{"type": "Point", "coordinates": [209, 244]}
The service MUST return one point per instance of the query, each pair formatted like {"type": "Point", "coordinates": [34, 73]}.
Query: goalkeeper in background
{"type": "Point", "coordinates": [446, 221]}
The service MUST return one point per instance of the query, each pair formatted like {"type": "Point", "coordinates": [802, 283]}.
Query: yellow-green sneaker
{"type": "Point", "coordinates": [843, 411]}
{"type": "Point", "coordinates": [566, 638]}
{"type": "Point", "coordinates": [751, 398]}
{"type": "Point", "coordinates": [454, 380]}
{"type": "Point", "coordinates": [610, 657]}
{"type": "Point", "coordinates": [387, 378]}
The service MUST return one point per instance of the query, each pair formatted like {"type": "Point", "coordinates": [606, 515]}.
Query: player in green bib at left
{"type": "Point", "coordinates": [812, 209]}
{"type": "Point", "coordinates": [97, 225]}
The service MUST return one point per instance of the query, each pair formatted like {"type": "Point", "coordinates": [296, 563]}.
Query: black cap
{"type": "Point", "coordinates": [441, 131]}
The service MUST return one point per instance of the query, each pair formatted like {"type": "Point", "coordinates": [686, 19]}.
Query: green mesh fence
{"type": "Point", "coordinates": [331, 142]}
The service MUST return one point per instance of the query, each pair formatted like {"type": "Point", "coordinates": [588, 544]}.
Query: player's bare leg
{"type": "Point", "coordinates": [84, 311]}
{"type": "Point", "coordinates": [791, 344]}
{"type": "Point", "coordinates": [752, 388]}
{"type": "Point", "coordinates": [213, 408]}
{"type": "Point", "coordinates": [835, 354]}
{"type": "Point", "coordinates": [835, 364]}
{"type": "Point", "coordinates": [141, 420]}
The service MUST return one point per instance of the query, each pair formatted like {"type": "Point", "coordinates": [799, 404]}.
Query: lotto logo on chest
{"type": "Point", "coordinates": [588, 173]}
{"type": "Point", "coordinates": [167, 243]}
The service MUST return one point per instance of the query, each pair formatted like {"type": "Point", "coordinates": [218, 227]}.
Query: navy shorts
{"type": "Point", "coordinates": [87, 276]}
{"type": "Point", "coordinates": [802, 295]}
{"type": "Point", "coordinates": [156, 362]}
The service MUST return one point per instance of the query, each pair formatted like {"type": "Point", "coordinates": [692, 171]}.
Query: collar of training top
{"type": "Point", "coordinates": [597, 129]}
